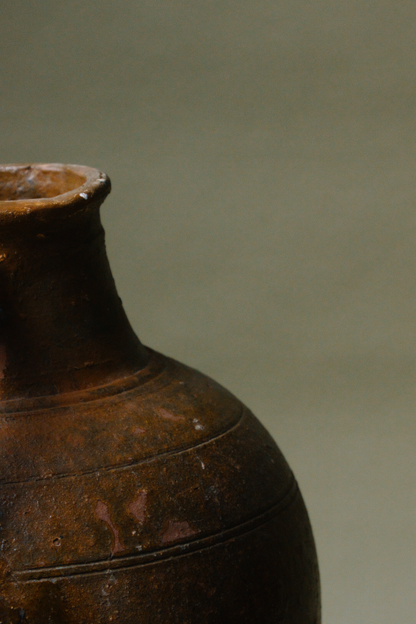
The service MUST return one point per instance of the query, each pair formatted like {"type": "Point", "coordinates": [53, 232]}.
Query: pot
{"type": "Point", "coordinates": [133, 489]}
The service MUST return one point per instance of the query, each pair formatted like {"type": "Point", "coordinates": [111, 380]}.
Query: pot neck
{"type": "Point", "coordinates": [62, 324]}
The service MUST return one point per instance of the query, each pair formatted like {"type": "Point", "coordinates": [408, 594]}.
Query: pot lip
{"type": "Point", "coordinates": [96, 186]}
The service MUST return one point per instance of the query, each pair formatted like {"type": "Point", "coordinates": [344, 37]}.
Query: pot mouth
{"type": "Point", "coordinates": [28, 187]}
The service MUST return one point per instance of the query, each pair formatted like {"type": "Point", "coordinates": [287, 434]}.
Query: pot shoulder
{"type": "Point", "coordinates": [166, 459]}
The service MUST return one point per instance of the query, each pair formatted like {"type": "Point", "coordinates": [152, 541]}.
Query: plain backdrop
{"type": "Point", "coordinates": [261, 228]}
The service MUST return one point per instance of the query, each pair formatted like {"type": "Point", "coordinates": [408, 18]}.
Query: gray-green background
{"type": "Point", "coordinates": [261, 228]}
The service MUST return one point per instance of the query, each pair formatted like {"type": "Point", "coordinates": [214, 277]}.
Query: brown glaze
{"type": "Point", "coordinates": [63, 327]}
{"type": "Point", "coordinates": [133, 489]}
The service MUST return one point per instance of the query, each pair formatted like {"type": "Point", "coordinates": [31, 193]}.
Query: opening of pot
{"type": "Point", "coordinates": [37, 181]}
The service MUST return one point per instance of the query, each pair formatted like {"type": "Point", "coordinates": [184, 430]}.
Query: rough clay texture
{"type": "Point", "coordinates": [133, 489]}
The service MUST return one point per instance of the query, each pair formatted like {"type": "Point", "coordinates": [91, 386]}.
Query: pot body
{"type": "Point", "coordinates": [154, 496]}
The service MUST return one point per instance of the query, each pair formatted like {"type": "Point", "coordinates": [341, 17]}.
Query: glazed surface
{"type": "Point", "coordinates": [175, 488]}
{"type": "Point", "coordinates": [170, 460]}
{"type": "Point", "coordinates": [133, 489]}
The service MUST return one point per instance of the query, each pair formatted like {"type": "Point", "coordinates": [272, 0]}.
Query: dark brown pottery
{"type": "Point", "coordinates": [133, 489]}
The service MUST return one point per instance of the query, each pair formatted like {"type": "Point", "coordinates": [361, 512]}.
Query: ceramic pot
{"type": "Point", "coordinates": [133, 489]}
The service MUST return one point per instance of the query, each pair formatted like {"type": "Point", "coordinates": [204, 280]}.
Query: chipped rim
{"type": "Point", "coordinates": [96, 186]}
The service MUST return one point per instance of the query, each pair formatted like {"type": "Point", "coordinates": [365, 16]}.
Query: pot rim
{"type": "Point", "coordinates": [94, 185]}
